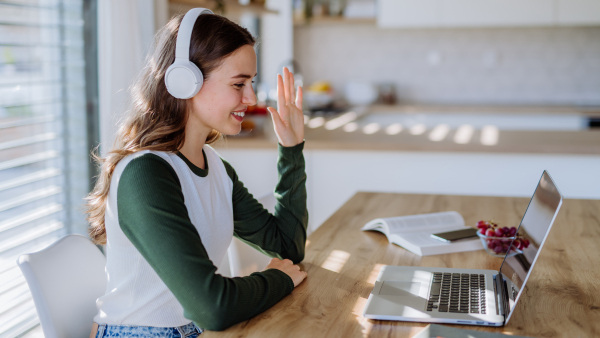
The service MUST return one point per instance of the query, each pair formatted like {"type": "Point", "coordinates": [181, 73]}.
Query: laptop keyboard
{"type": "Point", "coordinates": [457, 292]}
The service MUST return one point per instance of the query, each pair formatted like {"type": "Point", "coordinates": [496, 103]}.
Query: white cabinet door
{"type": "Point", "coordinates": [467, 13]}
{"type": "Point", "coordinates": [407, 13]}
{"type": "Point", "coordinates": [578, 12]}
{"type": "Point", "coordinates": [494, 13]}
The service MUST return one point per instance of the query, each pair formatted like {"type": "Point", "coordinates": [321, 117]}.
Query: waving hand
{"type": "Point", "coordinates": [288, 119]}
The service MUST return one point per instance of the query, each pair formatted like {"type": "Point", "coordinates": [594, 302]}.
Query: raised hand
{"type": "Point", "coordinates": [288, 119]}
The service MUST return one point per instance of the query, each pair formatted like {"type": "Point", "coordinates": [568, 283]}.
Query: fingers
{"type": "Point", "coordinates": [299, 98]}
{"type": "Point", "coordinates": [280, 92]}
{"type": "Point", "coordinates": [286, 85]}
{"type": "Point", "coordinates": [303, 276]}
{"type": "Point", "coordinates": [289, 268]}
{"type": "Point", "coordinates": [292, 89]}
{"type": "Point", "coordinates": [297, 275]}
{"type": "Point", "coordinates": [275, 116]}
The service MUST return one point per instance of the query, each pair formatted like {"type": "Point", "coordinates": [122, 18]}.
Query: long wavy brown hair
{"type": "Point", "coordinates": [157, 120]}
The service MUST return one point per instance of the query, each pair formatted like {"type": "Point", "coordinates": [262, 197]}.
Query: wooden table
{"type": "Point", "coordinates": [561, 298]}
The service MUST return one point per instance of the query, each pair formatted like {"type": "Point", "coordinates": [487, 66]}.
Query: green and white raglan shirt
{"type": "Point", "coordinates": [169, 224]}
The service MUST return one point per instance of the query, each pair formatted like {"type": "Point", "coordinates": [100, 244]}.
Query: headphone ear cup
{"type": "Point", "coordinates": [183, 79]}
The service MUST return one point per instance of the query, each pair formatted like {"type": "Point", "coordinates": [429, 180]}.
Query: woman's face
{"type": "Point", "coordinates": [226, 94]}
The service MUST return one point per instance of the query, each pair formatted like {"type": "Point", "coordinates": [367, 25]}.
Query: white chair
{"type": "Point", "coordinates": [244, 259]}
{"type": "Point", "coordinates": [65, 280]}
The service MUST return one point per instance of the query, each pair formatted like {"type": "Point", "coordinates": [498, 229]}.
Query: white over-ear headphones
{"type": "Point", "coordinates": [183, 78]}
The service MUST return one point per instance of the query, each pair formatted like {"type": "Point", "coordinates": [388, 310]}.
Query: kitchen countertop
{"type": "Point", "coordinates": [479, 109]}
{"type": "Point", "coordinates": [585, 141]}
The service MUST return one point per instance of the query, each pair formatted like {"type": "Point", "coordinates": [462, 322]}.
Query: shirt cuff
{"type": "Point", "coordinates": [291, 152]}
{"type": "Point", "coordinates": [288, 285]}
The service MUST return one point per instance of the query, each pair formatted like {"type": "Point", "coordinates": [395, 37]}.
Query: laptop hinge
{"type": "Point", "coordinates": [500, 289]}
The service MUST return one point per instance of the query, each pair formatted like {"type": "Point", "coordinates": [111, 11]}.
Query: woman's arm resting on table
{"type": "Point", "coordinates": [153, 216]}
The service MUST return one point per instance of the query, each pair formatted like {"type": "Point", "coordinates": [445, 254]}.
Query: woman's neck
{"type": "Point", "coordinates": [195, 137]}
{"type": "Point", "coordinates": [194, 155]}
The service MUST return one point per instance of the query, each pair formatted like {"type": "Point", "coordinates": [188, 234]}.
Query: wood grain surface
{"type": "Point", "coordinates": [561, 298]}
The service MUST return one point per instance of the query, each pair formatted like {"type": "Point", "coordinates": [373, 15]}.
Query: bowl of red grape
{"type": "Point", "coordinates": [498, 241]}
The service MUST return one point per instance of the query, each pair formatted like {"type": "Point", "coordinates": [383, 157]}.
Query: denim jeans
{"type": "Point", "coordinates": [188, 331]}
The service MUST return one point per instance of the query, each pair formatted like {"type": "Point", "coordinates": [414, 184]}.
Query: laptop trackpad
{"type": "Point", "coordinates": [394, 288]}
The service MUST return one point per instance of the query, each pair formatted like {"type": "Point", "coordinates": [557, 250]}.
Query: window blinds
{"type": "Point", "coordinates": [43, 144]}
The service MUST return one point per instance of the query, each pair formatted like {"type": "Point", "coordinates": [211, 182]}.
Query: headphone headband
{"type": "Point", "coordinates": [182, 49]}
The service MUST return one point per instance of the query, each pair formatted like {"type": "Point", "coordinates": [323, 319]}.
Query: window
{"type": "Point", "coordinates": [44, 145]}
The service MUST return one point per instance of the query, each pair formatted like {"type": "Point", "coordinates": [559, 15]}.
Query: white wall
{"type": "Point", "coordinates": [334, 176]}
{"type": "Point", "coordinates": [276, 40]}
{"type": "Point", "coordinates": [555, 65]}
{"type": "Point", "coordinates": [125, 34]}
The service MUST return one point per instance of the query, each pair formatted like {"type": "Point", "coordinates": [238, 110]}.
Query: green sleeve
{"type": "Point", "coordinates": [152, 214]}
{"type": "Point", "coordinates": [283, 234]}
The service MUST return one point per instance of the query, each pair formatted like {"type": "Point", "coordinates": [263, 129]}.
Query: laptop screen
{"type": "Point", "coordinates": [535, 226]}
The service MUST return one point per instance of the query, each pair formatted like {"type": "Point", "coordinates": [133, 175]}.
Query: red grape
{"type": "Point", "coordinates": [503, 237]}
{"type": "Point", "coordinates": [517, 243]}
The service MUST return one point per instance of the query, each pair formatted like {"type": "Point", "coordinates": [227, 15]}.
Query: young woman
{"type": "Point", "coordinates": [166, 205]}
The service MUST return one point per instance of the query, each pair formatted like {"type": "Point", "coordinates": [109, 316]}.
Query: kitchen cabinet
{"type": "Point", "coordinates": [578, 12]}
{"type": "Point", "coordinates": [407, 13]}
{"type": "Point", "coordinates": [486, 13]}
{"type": "Point", "coordinates": [232, 8]}
{"type": "Point", "coordinates": [481, 13]}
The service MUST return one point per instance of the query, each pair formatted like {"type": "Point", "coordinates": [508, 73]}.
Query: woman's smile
{"type": "Point", "coordinates": [239, 115]}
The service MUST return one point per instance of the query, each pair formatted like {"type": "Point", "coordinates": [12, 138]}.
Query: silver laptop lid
{"type": "Point", "coordinates": [535, 226]}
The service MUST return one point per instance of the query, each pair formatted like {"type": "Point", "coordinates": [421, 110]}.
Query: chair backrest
{"type": "Point", "coordinates": [244, 259]}
{"type": "Point", "coordinates": [65, 280]}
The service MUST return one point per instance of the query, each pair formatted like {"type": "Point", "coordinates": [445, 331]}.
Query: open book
{"type": "Point", "coordinates": [414, 232]}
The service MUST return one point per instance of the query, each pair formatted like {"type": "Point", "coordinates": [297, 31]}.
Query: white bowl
{"type": "Point", "coordinates": [317, 99]}
{"type": "Point", "coordinates": [360, 93]}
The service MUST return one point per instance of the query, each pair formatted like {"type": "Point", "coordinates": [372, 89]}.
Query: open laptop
{"type": "Point", "coordinates": [467, 296]}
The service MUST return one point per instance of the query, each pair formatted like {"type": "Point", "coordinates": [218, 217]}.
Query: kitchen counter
{"type": "Point", "coordinates": [476, 109]}
{"type": "Point", "coordinates": [582, 141]}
